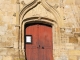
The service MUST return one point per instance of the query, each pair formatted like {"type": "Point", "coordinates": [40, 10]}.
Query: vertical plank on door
{"type": "Point", "coordinates": [42, 56]}
{"type": "Point", "coordinates": [45, 41]}
{"type": "Point", "coordinates": [31, 49]}
{"type": "Point", "coordinates": [49, 45]}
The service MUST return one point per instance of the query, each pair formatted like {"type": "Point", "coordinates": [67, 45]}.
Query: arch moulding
{"type": "Point", "coordinates": [55, 24]}
{"type": "Point", "coordinates": [45, 5]}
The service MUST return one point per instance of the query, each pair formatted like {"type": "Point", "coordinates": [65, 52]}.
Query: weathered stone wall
{"type": "Point", "coordinates": [68, 45]}
{"type": "Point", "coordinates": [8, 36]}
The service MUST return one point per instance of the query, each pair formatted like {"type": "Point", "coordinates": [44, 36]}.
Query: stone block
{"type": "Point", "coordinates": [16, 58]}
{"type": "Point", "coordinates": [4, 38]}
{"type": "Point", "coordinates": [3, 29]}
{"type": "Point", "coordinates": [74, 52]}
{"type": "Point", "coordinates": [77, 2]}
{"type": "Point", "coordinates": [73, 40]}
{"type": "Point", "coordinates": [72, 57]}
{"type": "Point", "coordinates": [15, 44]}
{"type": "Point", "coordinates": [77, 29]}
{"type": "Point", "coordinates": [2, 33]}
{"type": "Point", "coordinates": [69, 46]}
{"type": "Point", "coordinates": [0, 39]}
{"type": "Point", "coordinates": [3, 51]}
{"type": "Point", "coordinates": [63, 57]}
{"type": "Point", "coordinates": [56, 47]}
{"type": "Point", "coordinates": [56, 58]}
{"type": "Point", "coordinates": [13, 1]}
{"type": "Point", "coordinates": [2, 44]}
{"type": "Point", "coordinates": [10, 51]}
{"type": "Point", "coordinates": [8, 33]}
{"type": "Point", "coordinates": [10, 26]}
{"type": "Point", "coordinates": [79, 40]}
{"type": "Point", "coordinates": [0, 57]}
{"type": "Point", "coordinates": [9, 41]}
{"type": "Point", "coordinates": [69, 2]}
{"type": "Point", "coordinates": [77, 34]}
{"type": "Point", "coordinates": [78, 58]}
{"type": "Point", "coordinates": [1, 22]}
{"type": "Point", "coordinates": [73, 29]}
{"type": "Point", "coordinates": [7, 58]}
{"type": "Point", "coordinates": [16, 52]}
{"type": "Point", "coordinates": [9, 44]}
{"type": "Point", "coordinates": [14, 32]}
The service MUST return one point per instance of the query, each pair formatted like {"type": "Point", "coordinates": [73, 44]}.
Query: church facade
{"type": "Point", "coordinates": [39, 30]}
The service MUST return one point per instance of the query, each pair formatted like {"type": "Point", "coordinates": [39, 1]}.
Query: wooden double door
{"type": "Point", "coordinates": [41, 47]}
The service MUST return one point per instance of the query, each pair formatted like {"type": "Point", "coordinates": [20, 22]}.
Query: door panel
{"type": "Point", "coordinates": [41, 47]}
{"type": "Point", "coordinates": [31, 49]}
{"type": "Point", "coordinates": [45, 42]}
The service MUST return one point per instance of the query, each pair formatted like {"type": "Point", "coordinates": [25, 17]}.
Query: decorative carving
{"type": "Point", "coordinates": [31, 6]}
{"type": "Point", "coordinates": [23, 3]}
{"type": "Point", "coordinates": [52, 10]}
{"type": "Point", "coordinates": [27, 7]}
{"type": "Point", "coordinates": [52, 5]}
{"type": "Point", "coordinates": [45, 5]}
{"type": "Point", "coordinates": [55, 6]}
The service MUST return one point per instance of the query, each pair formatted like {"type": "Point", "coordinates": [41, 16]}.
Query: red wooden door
{"type": "Point", "coordinates": [41, 46]}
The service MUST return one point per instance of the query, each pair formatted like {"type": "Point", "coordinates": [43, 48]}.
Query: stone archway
{"type": "Point", "coordinates": [55, 23]}
{"type": "Point", "coordinates": [33, 4]}
{"type": "Point", "coordinates": [33, 20]}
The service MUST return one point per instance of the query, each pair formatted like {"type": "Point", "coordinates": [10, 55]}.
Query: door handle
{"type": "Point", "coordinates": [42, 47]}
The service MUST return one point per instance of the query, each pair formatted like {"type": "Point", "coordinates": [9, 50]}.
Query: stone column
{"type": "Point", "coordinates": [17, 25]}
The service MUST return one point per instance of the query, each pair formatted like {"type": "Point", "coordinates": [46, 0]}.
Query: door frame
{"type": "Point", "coordinates": [55, 31]}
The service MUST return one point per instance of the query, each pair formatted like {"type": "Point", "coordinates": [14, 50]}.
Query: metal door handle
{"type": "Point", "coordinates": [42, 47]}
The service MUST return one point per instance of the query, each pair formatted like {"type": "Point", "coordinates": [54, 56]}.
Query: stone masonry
{"type": "Point", "coordinates": [68, 45]}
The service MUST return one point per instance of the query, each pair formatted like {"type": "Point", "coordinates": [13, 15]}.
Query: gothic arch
{"type": "Point", "coordinates": [45, 5]}
{"type": "Point", "coordinates": [33, 20]}
{"type": "Point", "coordinates": [55, 24]}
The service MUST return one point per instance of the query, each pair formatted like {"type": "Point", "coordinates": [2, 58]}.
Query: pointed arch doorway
{"type": "Point", "coordinates": [38, 41]}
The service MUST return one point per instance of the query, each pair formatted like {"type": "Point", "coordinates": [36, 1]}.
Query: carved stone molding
{"type": "Point", "coordinates": [23, 3]}
{"type": "Point", "coordinates": [55, 6]}
{"type": "Point", "coordinates": [33, 20]}
{"type": "Point", "coordinates": [27, 8]}
{"type": "Point", "coordinates": [45, 5]}
{"type": "Point", "coordinates": [52, 10]}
